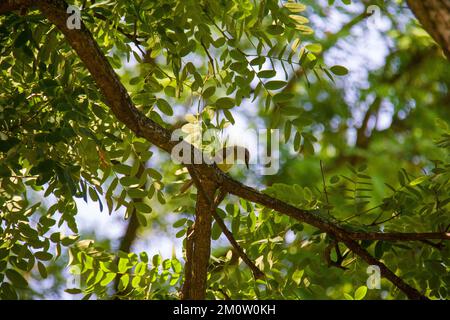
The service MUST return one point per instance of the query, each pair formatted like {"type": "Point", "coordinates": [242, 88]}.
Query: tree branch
{"type": "Point", "coordinates": [253, 195]}
{"type": "Point", "coordinates": [400, 236]}
{"type": "Point", "coordinates": [257, 273]}
{"type": "Point", "coordinates": [434, 15]}
{"type": "Point", "coordinates": [8, 6]}
{"type": "Point", "coordinates": [188, 265]}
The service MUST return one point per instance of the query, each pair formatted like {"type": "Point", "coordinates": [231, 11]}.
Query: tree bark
{"type": "Point", "coordinates": [434, 15]}
{"type": "Point", "coordinates": [198, 245]}
{"type": "Point", "coordinates": [201, 242]}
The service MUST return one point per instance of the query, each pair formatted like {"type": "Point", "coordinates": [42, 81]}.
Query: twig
{"type": "Point", "coordinates": [325, 187]}
{"type": "Point", "coordinates": [438, 246]}
{"type": "Point", "coordinates": [257, 273]}
{"type": "Point", "coordinates": [399, 236]}
{"type": "Point", "coordinates": [327, 254]}
{"type": "Point", "coordinates": [188, 264]}
{"type": "Point", "coordinates": [226, 296]}
{"type": "Point", "coordinates": [211, 60]}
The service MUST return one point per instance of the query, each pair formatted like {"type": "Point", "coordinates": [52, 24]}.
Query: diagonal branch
{"type": "Point", "coordinates": [344, 236]}
{"type": "Point", "coordinates": [257, 273]}
{"type": "Point", "coordinates": [400, 236]}
{"type": "Point", "coordinates": [119, 102]}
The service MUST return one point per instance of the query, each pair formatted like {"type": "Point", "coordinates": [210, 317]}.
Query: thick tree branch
{"type": "Point", "coordinates": [400, 236]}
{"type": "Point", "coordinates": [8, 6]}
{"type": "Point", "coordinates": [119, 101]}
{"type": "Point", "coordinates": [434, 15]}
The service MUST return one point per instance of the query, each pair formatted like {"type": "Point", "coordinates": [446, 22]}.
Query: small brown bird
{"type": "Point", "coordinates": [228, 156]}
{"type": "Point", "coordinates": [225, 160]}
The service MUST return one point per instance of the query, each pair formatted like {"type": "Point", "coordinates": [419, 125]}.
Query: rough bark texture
{"type": "Point", "coordinates": [210, 177]}
{"type": "Point", "coordinates": [201, 242]}
{"type": "Point", "coordinates": [434, 15]}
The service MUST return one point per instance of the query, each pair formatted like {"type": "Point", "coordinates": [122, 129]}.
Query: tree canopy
{"type": "Point", "coordinates": [343, 107]}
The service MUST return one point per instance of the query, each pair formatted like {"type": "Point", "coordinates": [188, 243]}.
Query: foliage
{"type": "Point", "coordinates": [218, 62]}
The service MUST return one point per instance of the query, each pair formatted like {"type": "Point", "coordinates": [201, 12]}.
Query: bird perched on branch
{"type": "Point", "coordinates": [225, 159]}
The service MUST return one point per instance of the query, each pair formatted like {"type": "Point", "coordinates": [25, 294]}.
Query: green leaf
{"type": "Point", "coordinates": [164, 106]}
{"type": "Point", "coordinates": [275, 84]}
{"type": "Point", "coordinates": [334, 179]}
{"type": "Point", "coordinates": [282, 97]}
{"type": "Point", "coordinates": [287, 131]}
{"type": "Point", "coordinates": [136, 193]}
{"type": "Point", "coordinates": [135, 283]}
{"type": "Point", "coordinates": [156, 260]}
{"type": "Point", "coordinates": [297, 276]}
{"type": "Point", "coordinates": [225, 103]}
{"type": "Point", "coordinates": [73, 291]}
{"type": "Point", "coordinates": [142, 207]}
{"type": "Point", "coordinates": [348, 297]}
{"type": "Point", "coordinates": [128, 182]}
{"type": "Point", "coordinates": [180, 233]}
{"type": "Point", "coordinates": [314, 48]}
{"type": "Point", "coordinates": [216, 231]}
{"type": "Point", "coordinates": [295, 7]}
{"type": "Point", "coordinates": [339, 70]}
{"type": "Point", "coordinates": [16, 278]}
{"type": "Point", "coordinates": [299, 20]}
{"type": "Point", "coordinates": [124, 280]}
{"type": "Point", "coordinates": [153, 173]}
{"type": "Point", "coordinates": [208, 92]}
{"type": "Point", "coordinates": [180, 223]}
{"type": "Point", "coordinates": [267, 74]}
{"type": "Point", "coordinates": [123, 265]}
{"type": "Point", "coordinates": [45, 256]}
{"type": "Point", "coordinates": [108, 278]}
{"type": "Point", "coordinates": [360, 293]}
{"type": "Point", "coordinates": [275, 29]}
{"type": "Point", "coordinates": [418, 181]}
{"type": "Point", "coordinates": [176, 266]}
{"type": "Point", "coordinates": [42, 270]}
{"type": "Point", "coordinates": [22, 38]}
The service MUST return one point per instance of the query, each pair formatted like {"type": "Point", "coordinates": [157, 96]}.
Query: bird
{"type": "Point", "coordinates": [225, 160]}
{"type": "Point", "coordinates": [227, 157]}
